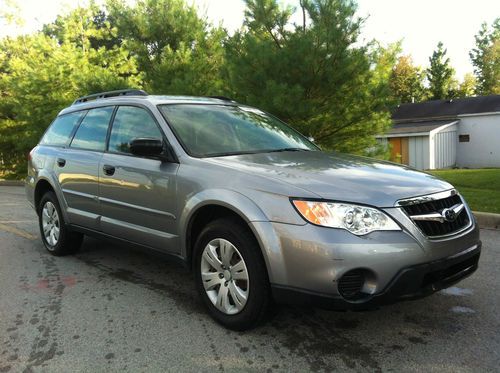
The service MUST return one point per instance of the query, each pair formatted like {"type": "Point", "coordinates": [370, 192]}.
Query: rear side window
{"type": "Point", "coordinates": [91, 134]}
{"type": "Point", "coordinates": [131, 122]}
{"type": "Point", "coordinates": [61, 129]}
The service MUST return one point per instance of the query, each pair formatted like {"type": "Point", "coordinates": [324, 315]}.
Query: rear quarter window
{"type": "Point", "coordinates": [61, 129]}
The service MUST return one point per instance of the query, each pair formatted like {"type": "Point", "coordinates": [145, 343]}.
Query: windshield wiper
{"type": "Point", "coordinates": [289, 150]}
{"type": "Point", "coordinates": [227, 154]}
{"type": "Point", "coordinates": [245, 152]}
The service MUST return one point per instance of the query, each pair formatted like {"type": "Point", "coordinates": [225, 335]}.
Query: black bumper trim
{"type": "Point", "coordinates": [410, 283]}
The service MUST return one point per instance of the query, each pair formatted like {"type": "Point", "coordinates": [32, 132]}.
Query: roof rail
{"type": "Point", "coordinates": [120, 92]}
{"type": "Point", "coordinates": [223, 98]}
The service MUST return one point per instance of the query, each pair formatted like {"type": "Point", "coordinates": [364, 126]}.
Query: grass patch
{"type": "Point", "coordinates": [480, 187]}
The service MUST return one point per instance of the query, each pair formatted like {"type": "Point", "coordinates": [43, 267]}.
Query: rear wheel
{"type": "Point", "coordinates": [231, 275]}
{"type": "Point", "coordinates": [56, 237]}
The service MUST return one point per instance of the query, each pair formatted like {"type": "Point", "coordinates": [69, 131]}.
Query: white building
{"type": "Point", "coordinates": [447, 133]}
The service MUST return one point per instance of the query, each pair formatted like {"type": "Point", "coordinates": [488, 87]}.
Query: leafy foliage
{"type": "Point", "coordinates": [40, 75]}
{"type": "Point", "coordinates": [9, 13]}
{"type": "Point", "coordinates": [440, 75]}
{"type": "Point", "coordinates": [315, 75]}
{"type": "Point", "coordinates": [467, 87]}
{"type": "Point", "coordinates": [486, 59]}
{"type": "Point", "coordinates": [179, 52]}
{"type": "Point", "coordinates": [407, 81]}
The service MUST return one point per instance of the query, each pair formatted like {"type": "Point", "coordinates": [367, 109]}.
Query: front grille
{"type": "Point", "coordinates": [435, 228]}
{"type": "Point", "coordinates": [351, 283]}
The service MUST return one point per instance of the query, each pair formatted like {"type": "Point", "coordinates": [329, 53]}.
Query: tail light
{"type": "Point", "coordinates": [30, 155]}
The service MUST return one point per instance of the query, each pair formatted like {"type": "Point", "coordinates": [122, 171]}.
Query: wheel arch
{"type": "Point", "coordinates": [210, 205]}
{"type": "Point", "coordinates": [44, 184]}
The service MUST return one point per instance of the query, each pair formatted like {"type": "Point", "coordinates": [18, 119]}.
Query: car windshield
{"type": "Point", "coordinates": [218, 130]}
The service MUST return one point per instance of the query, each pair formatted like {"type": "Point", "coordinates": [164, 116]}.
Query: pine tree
{"type": "Point", "coordinates": [315, 75]}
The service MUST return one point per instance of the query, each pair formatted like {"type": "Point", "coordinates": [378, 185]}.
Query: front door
{"type": "Point", "coordinates": [399, 150]}
{"type": "Point", "coordinates": [137, 194]}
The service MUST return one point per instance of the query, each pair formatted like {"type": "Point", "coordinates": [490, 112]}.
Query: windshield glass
{"type": "Point", "coordinates": [218, 130]}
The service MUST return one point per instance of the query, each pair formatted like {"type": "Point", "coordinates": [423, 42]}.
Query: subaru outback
{"type": "Point", "coordinates": [257, 211]}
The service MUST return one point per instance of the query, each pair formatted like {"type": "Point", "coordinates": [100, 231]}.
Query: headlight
{"type": "Point", "coordinates": [356, 219]}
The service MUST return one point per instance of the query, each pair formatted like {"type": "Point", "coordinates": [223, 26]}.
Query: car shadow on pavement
{"type": "Point", "coordinates": [324, 339]}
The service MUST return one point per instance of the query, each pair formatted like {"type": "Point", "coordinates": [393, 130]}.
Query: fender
{"type": "Point", "coordinates": [232, 200]}
{"type": "Point", "coordinates": [50, 177]}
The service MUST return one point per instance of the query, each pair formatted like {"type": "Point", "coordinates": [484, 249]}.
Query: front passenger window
{"type": "Point", "coordinates": [130, 123]}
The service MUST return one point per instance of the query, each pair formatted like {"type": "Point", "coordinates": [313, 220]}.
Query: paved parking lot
{"type": "Point", "coordinates": [113, 308]}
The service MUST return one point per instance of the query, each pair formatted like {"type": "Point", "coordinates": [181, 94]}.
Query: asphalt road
{"type": "Point", "coordinates": [113, 308]}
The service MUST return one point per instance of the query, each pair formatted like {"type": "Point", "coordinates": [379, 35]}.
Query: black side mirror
{"type": "Point", "coordinates": [147, 147]}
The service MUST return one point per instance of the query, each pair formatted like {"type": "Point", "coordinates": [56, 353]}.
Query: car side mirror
{"type": "Point", "coordinates": [147, 147]}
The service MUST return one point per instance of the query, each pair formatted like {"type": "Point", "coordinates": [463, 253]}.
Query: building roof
{"type": "Point", "coordinates": [446, 108]}
{"type": "Point", "coordinates": [417, 128]}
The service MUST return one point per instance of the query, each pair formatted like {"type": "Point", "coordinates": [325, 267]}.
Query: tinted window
{"type": "Point", "coordinates": [61, 129]}
{"type": "Point", "coordinates": [130, 123]}
{"type": "Point", "coordinates": [210, 130]}
{"type": "Point", "coordinates": [92, 131]}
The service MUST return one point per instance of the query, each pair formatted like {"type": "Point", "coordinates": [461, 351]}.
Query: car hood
{"type": "Point", "coordinates": [339, 177]}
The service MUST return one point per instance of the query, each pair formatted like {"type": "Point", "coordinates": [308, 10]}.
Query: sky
{"type": "Point", "coordinates": [419, 24]}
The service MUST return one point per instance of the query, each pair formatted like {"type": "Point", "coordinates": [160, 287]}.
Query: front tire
{"type": "Point", "coordinates": [231, 275]}
{"type": "Point", "coordinates": [56, 237]}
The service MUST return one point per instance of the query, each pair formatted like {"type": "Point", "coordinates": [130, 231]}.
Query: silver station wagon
{"type": "Point", "coordinates": [256, 210]}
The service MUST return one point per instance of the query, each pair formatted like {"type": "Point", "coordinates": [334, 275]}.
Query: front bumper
{"type": "Point", "coordinates": [312, 260]}
{"type": "Point", "coordinates": [412, 282]}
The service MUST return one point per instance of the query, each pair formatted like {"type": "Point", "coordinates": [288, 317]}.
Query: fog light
{"type": "Point", "coordinates": [357, 284]}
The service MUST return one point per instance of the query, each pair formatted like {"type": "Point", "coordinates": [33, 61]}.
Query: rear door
{"type": "Point", "coordinates": [137, 194]}
{"type": "Point", "coordinates": [78, 167]}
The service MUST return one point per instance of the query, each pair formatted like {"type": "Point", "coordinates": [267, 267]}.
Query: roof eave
{"type": "Point", "coordinates": [479, 114]}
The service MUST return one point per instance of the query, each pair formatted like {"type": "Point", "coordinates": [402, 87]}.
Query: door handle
{"type": "Point", "coordinates": [108, 170]}
{"type": "Point", "coordinates": [61, 162]}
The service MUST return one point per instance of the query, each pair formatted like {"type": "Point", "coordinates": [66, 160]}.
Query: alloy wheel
{"type": "Point", "coordinates": [224, 275]}
{"type": "Point", "coordinates": [50, 224]}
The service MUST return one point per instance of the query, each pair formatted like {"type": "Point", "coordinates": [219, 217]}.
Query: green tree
{"type": "Point", "coordinates": [485, 58]}
{"type": "Point", "coordinates": [440, 75]}
{"type": "Point", "coordinates": [407, 81]}
{"type": "Point", "coordinates": [40, 75]}
{"type": "Point", "coordinates": [85, 27]}
{"type": "Point", "coordinates": [316, 76]}
{"type": "Point", "coordinates": [178, 51]}
{"type": "Point", "coordinates": [467, 87]}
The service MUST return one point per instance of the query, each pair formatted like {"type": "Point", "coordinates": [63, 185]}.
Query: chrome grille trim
{"type": "Point", "coordinates": [435, 217]}
{"type": "Point", "coordinates": [426, 198]}
{"type": "Point", "coordinates": [439, 216]}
